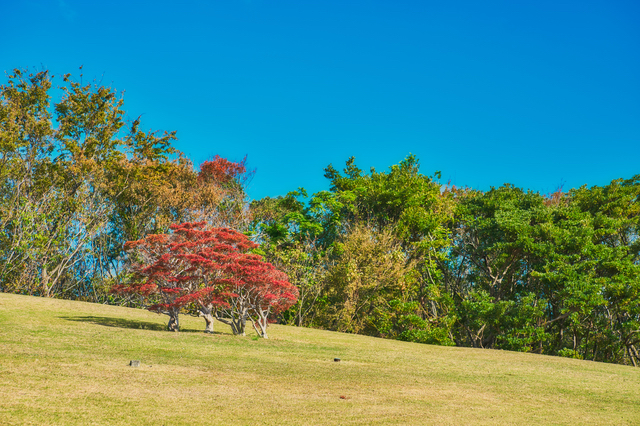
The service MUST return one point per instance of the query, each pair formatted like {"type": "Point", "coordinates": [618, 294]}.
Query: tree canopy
{"type": "Point", "coordinates": [90, 203]}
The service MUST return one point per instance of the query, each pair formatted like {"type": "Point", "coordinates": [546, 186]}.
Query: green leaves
{"type": "Point", "coordinates": [378, 236]}
{"type": "Point", "coordinates": [554, 274]}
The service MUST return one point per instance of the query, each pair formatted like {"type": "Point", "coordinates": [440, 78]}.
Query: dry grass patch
{"type": "Point", "coordinates": [64, 362]}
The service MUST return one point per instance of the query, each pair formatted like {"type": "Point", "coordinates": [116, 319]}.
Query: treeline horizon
{"type": "Point", "coordinates": [392, 254]}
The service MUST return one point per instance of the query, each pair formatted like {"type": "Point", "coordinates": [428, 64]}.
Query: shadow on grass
{"type": "Point", "coordinates": [118, 322]}
{"type": "Point", "coordinates": [126, 323]}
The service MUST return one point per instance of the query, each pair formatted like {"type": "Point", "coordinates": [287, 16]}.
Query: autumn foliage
{"type": "Point", "coordinates": [223, 171]}
{"type": "Point", "coordinates": [210, 272]}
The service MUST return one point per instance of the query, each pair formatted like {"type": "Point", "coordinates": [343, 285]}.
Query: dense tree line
{"type": "Point", "coordinates": [393, 254]}
{"type": "Point", "coordinates": [398, 255]}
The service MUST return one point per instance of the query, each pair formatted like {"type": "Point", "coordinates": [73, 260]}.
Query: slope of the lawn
{"type": "Point", "coordinates": [64, 362]}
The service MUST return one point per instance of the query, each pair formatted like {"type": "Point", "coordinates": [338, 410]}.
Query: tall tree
{"type": "Point", "coordinates": [417, 210]}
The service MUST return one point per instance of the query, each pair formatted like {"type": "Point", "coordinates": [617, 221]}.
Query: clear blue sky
{"type": "Point", "coordinates": [535, 93]}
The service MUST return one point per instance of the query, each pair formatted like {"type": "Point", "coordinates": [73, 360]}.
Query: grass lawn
{"type": "Point", "coordinates": [66, 363]}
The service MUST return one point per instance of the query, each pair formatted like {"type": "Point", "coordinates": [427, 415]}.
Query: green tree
{"type": "Point", "coordinates": [496, 246]}
{"type": "Point", "coordinates": [416, 209]}
{"type": "Point", "coordinates": [292, 239]}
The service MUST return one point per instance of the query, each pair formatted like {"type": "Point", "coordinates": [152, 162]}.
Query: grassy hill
{"type": "Point", "coordinates": [64, 362]}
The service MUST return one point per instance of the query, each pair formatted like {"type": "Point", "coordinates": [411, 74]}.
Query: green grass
{"type": "Point", "coordinates": [64, 362]}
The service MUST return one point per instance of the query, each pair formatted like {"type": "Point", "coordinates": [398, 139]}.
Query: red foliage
{"type": "Point", "coordinates": [207, 268]}
{"type": "Point", "coordinates": [223, 171]}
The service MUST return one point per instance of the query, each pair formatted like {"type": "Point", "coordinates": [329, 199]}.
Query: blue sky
{"type": "Point", "coordinates": [535, 93]}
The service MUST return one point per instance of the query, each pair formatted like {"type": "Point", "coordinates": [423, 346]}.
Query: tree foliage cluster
{"type": "Point", "coordinates": [210, 272]}
{"type": "Point", "coordinates": [78, 180]}
{"type": "Point", "coordinates": [88, 199]}
{"type": "Point", "coordinates": [396, 254]}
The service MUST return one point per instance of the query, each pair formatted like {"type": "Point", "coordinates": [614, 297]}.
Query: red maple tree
{"type": "Point", "coordinates": [209, 271]}
{"type": "Point", "coordinates": [260, 291]}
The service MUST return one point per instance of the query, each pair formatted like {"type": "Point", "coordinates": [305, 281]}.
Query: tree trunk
{"type": "Point", "coordinates": [633, 354]}
{"type": "Point", "coordinates": [239, 324]}
{"type": "Point", "coordinates": [237, 327]}
{"type": "Point", "coordinates": [209, 320]}
{"type": "Point", "coordinates": [174, 324]}
{"type": "Point", "coordinates": [260, 326]}
{"type": "Point", "coordinates": [207, 313]}
{"type": "Point", "coordinates": [45, 282]}
{"type": "Point", "coordinates": [237, 320]}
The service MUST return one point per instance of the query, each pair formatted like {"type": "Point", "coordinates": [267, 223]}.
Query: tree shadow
{"type": "Point", "coordinates": [118, 322]}
{"type": "Point", "coordinates": [126, 323]}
